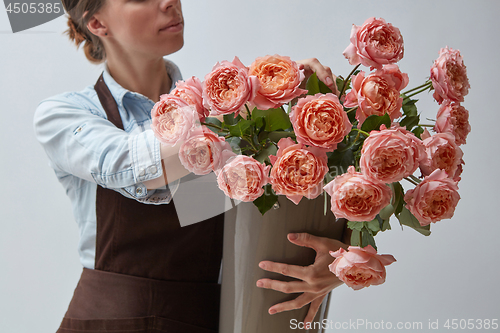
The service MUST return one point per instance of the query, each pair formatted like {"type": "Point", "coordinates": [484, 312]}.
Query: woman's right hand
{"type": "Point", "coordinates": [316, 279]}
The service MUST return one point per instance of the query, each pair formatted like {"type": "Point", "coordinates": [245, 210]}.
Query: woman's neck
{"type": "Point", "coordinates": [148, 77]}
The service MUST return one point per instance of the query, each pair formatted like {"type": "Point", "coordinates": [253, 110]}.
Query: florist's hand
{"type": "Point", "coordinates": [316, 279]}
{"type": "Point", "coordinates": [324, 73]}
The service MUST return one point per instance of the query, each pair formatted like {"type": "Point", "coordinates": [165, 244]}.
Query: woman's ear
{"type": "Point", "coordinates": [96, 26]}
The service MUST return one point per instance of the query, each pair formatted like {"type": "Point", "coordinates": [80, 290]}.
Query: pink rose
{"type": "Point", "coordinates": [357, 197]}
{"type": "Point", "coordinates": [320, 121]}
{"type": "Point", "coordinates": [441, 153]}
{"type": "Point", "coordinates": [449, 76]}
{"type": "Point", "coordinates": [360, 267]}
{"type": "Point", "coordinates": [389, 155]}
{"type": "Point", "coordinates": [378, 93]}
{"type": "Point", "coordinates": [279, 79]}
{"type": "Point", "coordinates": [243, 178]}
{"type": "Point", "coordinates": [453, 118]}
{"type": "Point", "coordinates": [374, 44]}
{"type": "Point", "coordinates": [434, 199]}
{"type": "Point", "coordinates": [172, 119]}
{"type": "Point", "coordinates": [191, 92]}
{"type": "Point", "coordinates": [228, 87]}
{"type": "Point", "coordinates": [201, 153]}
{"type": "Point", "coordinates": [298, 171]}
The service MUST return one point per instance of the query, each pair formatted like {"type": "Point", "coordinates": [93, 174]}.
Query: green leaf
{"type": "Point", "coordinates": [276, 136]}
{"type": "Point", "coordinates": [407, 218]}
{"type": "Point", "coordinates": [409, 107]}
{"type": "Point", "coordinates": [242, 128]}
{"type": "Point", "coordinates": [367, 239]}
{"type": "Point", "coordinates": [339, 162]}
{"type": "Point", "coordinates": [374, 122]}
{"type": "Point", "coordinates": [260, 123]}
{"type": "Point", "coordinates": [265, 152]}
{"type": "Point", "coordinates": [216, 122]}
{"type": "Point", "coordinates": [339, 82]}
{"type": "Point", "coordinates": [234, 142]}
{"type": "Point", "coordinates": [312, 85]}
{"type": "Point", "coordinates": [386, 212]}
{"type": "Point", "coordinates": [213, 120]}
{"type": "Point", "coordinates": [385, 225]}
{"type": "Point", "coordinates": [418, 131]}
{"type": "Point", "coordinates": [355, 238]}
{"type": "Point", "coordinates": [397, 198]}
{"type": "Point", "coordinates": [373, 226]}
{"type": "Point", "coordinates": [266, 200]}
{"type": "Point", "coordinates": [323, 88]}
{"type": "Point", "coordinates": [354, 225]}
{"type": "Point", "coordinates": [409, 122]}
{"type": "Point", "coordinates": [229, 119]}
{"type": "Point", "coordinates": [275, 119]}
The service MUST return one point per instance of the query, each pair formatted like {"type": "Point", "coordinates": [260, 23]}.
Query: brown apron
{"type": "Point", "coordinates": [151, 275]}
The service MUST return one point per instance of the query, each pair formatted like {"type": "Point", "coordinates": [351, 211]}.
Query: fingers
{"type": "Point", "coordinates": [313, 309]}
{"type": "Point", "coordinates": [297, 303]}
{"type": "Point", "coordinates": [324, 73]}
{"type": "Point", "coordinates": [319, 244]}
{"type": "Point", "coordinates": [297, 272]}
{"type": "Point", "coordinates": [284, 287]}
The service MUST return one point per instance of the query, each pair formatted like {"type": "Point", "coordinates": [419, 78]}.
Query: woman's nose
{"type": "Point", "coordinates": [166, 5]}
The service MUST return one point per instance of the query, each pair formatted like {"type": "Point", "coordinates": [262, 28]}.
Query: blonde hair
{"type": "Point", "coordinates": [79, 12]}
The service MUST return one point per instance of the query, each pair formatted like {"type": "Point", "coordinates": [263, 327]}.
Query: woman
{"type": "Point", "coordinates": [142, 272]}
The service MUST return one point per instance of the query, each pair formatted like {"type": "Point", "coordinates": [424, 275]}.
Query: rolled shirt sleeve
{"type": "Point", "coordinates": [80, 141]}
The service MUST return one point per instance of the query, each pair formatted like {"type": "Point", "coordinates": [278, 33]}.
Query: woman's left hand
{"type": "Point", "coordinates": [324, 73]}
{"type": "Point", "coordinates": [316, 279]}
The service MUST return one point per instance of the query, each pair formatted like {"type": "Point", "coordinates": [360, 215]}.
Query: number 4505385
{"type": "Point", "coordinates": [33, 7]}
{"type": "Point", "coordinates": [471, 324]}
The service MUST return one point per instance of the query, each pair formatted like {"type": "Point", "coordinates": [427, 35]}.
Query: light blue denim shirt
{"type": "Point", "coordinates": [86, 150]}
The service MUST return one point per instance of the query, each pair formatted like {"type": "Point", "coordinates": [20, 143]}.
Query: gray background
{"type": "Point", "coordinates": [451, 274]}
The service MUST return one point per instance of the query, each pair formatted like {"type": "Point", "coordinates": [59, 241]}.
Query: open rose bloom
{"type": "Point", "coordinates": [298, 171]}
{"type": "Point", "coordinates": [453, 118]}
{"type": "Point", "coordinates": [173, 120]}
{"type": "Point", "coordinates": [320, 121]}
{"type": "Point", "coordinates": [377, 93]}
{"type": "Point", "coordinates": [389, 155]}
{"type": "Point", "coordinates": [360, 267]}
{"type": "Point", "coordinates": [191, 92]}
{"type": "Point", "coordinates": [374, 44]}
{"type": "Point", "coordinates": [228, 87]}
{"type": "Point", "coordinates": [279, 79]}
{"type": "Point", "coordinates": [356, 197]}
{"type": "Point", "coordinates": [243, 178]}
{"type": "Point", "coordinates": [434, 199]}
{"type": "Point", "coordinates": [441, 153]}
{"type": "Point", "coordinates": [449, 76]}
{"type": "Point", "coordinates": [202, 152]}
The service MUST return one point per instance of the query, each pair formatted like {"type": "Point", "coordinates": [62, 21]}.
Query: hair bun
{"type": "Point", "coordinates": [75, 33]}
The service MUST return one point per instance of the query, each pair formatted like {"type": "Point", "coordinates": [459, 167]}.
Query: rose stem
{"type": "Point", "coordinates": [415, 179]}
{"type": "Point", "coordinates": [351, 109]}
{"type": "Point", "coordinates": [344, 85]}
{"type": "Point", "coordinates": [362, 132]}
{"type": "Point", "coordinates": [418, 92]}
{"type": "Point", "coordinates": [428, 82]}
{"type": "Point", "coordinates": [411, 181]}
{"type": "Point", "coordinates": [212, 125]}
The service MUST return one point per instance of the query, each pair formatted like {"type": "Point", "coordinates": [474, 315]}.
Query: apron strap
{"type": "Point", "coordinates": [108, 102]}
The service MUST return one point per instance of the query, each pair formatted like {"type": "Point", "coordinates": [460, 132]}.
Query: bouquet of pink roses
{"type": "Point", "coordinates": [264, 136]}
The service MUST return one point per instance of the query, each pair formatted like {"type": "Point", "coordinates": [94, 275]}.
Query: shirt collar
{"type": "Point", "coordinates": [119, 92]}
